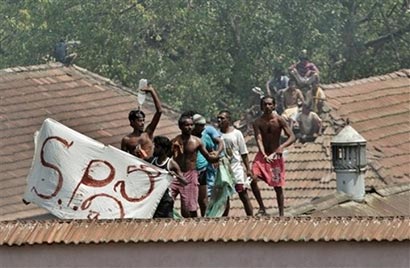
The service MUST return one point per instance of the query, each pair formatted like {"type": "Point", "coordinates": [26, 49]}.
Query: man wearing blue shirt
{"type": "Point", "coordinates": [211, 138]}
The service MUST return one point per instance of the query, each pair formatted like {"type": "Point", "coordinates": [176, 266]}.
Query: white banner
{"type": "Point", "coordinates": [76, 177]}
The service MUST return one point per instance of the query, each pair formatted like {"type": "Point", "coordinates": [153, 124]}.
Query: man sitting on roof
{"type": "Point", "coordinates": [276, 86]}
{"type": "Point", "coordinates": [293, 99]}
{"type": "Point", "coordinates": [61, 53]}
{"type": "Point", "coordinates": [310, 124]}
{"type": "Point", "coordinates": [315, 98]}
{"type": "Point", "coordinates": [304, 71]}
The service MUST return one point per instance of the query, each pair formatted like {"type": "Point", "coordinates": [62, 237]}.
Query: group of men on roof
{"type": "Point", "coordinates": [299, 98]}
{"type": "Point", "coordinates": [210, 163]}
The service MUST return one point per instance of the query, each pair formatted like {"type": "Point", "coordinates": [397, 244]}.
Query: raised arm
{"type": "Point", "coordinates": [300, 96]}
{"type": "Point", "coordinates": [155, 120]}
{"type": "Point", "coordinates": [268, 89]}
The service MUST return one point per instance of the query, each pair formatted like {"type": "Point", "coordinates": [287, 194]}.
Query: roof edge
{"type": "Point", "coordinates": [389, 76]}
{"type": "Point", "coordinates": [265, 229]}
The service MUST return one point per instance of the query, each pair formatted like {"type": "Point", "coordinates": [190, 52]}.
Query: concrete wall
{"type": "Point", "coordinates": [239, 254]}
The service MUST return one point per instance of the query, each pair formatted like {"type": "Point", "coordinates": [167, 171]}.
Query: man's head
{"type": "Point", "coordinates": [303, 57]}
{"type": "Point", "coordinates": [224, 119]}
{"type": "Point", "coordinates": [199, 124]}
{"type": "Point", "coordinates": [292, 84]}
{"type": "Point", "coordinates": [163, 146]}
{"type": "Point", "coordinates": [305, 108]}
{"type": "Point", "coordinates": [137, 119]}
{"type": "Point", "coordinates": [186, 125]}
{"type": "Point", "coordinates": [268, 104]}
{"type": "Point", "coordinates": [189, 113]}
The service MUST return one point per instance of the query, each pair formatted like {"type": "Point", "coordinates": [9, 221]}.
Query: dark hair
{"type": "Point", "coordinates": [228, 114]}
{"type": "Point", "coordinates": [267, 97]}
{"type": "Point", "coordinates": [189, 113]}
{"type": "Point", "coordinates": [292, 80]}
{"type": "Point", "coordinates": [134, 114]}
{"type": "Point", "coordinates": [182, 119]}
{"type": "Point", "coordinates": [164, 143]}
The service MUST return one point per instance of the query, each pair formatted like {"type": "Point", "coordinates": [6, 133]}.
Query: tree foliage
{"type": "Point", "coordinates": [206, 55]}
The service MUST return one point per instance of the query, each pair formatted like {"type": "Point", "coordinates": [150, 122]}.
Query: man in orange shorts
{"type": "Point", "coordinates": [268, 164]}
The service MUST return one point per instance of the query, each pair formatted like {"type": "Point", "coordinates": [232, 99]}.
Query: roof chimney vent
{"type": "Point", "coordinates": [349, 162]}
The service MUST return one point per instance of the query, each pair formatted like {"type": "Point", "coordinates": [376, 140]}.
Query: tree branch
{"type": "Point", "coordinates": [127, 9]}
{"type": "Point", "coordinates": [369, 15]}
{"type": "Point", "coordinates": [387, 38]}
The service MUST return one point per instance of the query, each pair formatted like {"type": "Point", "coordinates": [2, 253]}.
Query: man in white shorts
{"type": "Point", "coordinates": [237, 153]}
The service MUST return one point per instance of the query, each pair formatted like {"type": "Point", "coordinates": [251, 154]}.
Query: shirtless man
{"type": "Point", "coordinates": [185, 148]}
{"type": "Point", "coordinates": [293, 98]}
{"type": "Point", "coordinates": [268, 163]}
{"type": "Point", "coordinates": [139, 142]}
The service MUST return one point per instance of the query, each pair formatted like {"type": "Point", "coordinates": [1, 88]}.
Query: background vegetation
{"type": "Point", "coordinates": [207, 55]}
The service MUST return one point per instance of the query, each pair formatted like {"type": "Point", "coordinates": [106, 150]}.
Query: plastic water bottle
{"type": "Point", "coordinates": [141, 94]}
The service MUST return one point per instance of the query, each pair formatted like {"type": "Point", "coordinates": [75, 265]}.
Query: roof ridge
{"type": "Point", "coordinates": [56, 65]}
{"type": "Point", "coordinates": [19, 69]}
{"type": "Point", "coordinates": [119, 85]}
{"type": "Point", "coordinates": [389, 76]}
{"type": "Point", "coordinates": [392, 189]}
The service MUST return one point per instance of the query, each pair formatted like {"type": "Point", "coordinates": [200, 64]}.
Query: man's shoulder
{"type": "Point", "coordinates": [176, 138]}
{"type": "Point", "coordinates": [315, 116]}
{"type": "Point", "coordinates": [128, 136]}
{"type": "Point", "coordinates": [237, 132]}
{"type": "Point", "coordinates": [211, 131]}
{"type": "Point", "coordinates": [321, 91]}
{"type": "Point", "coordinates": [260, 121]}
{"type": "Point", "coordinates": [195, 140]}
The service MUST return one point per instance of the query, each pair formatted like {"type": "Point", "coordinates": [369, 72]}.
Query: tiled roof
{"type": "Point", "coordinates": [392, 200]}
{"type": "Point", "coordinates": [379, 109]}
{"type": "Point", "coordinates": [81, 100]}
{"type": "Point", "coordinates": [97, 107]}
{"type": "Point", "coordinates": [269, 229]}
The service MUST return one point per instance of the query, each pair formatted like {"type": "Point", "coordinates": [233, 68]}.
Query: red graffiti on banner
{"type": "Point", "coordinates": [88, 180]}
{"type": "Point", "coordinates": [52, 166]}
{"type": "Point", "coordinates": [151, 172]}
{"type": "Point", "coordinates": [96, 214]}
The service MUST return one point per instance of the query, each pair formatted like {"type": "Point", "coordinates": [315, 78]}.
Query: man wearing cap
{"type": "Point", "coordinates": [211, 138]}
{"type": "Point", "coordinates": [139, 142]}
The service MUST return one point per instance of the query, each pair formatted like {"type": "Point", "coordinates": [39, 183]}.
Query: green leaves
{"type": "Point", "coordinates": [207, 55]}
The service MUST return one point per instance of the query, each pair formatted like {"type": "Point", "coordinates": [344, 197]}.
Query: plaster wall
{"type": "Point", "coordinates": [210, 254]}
